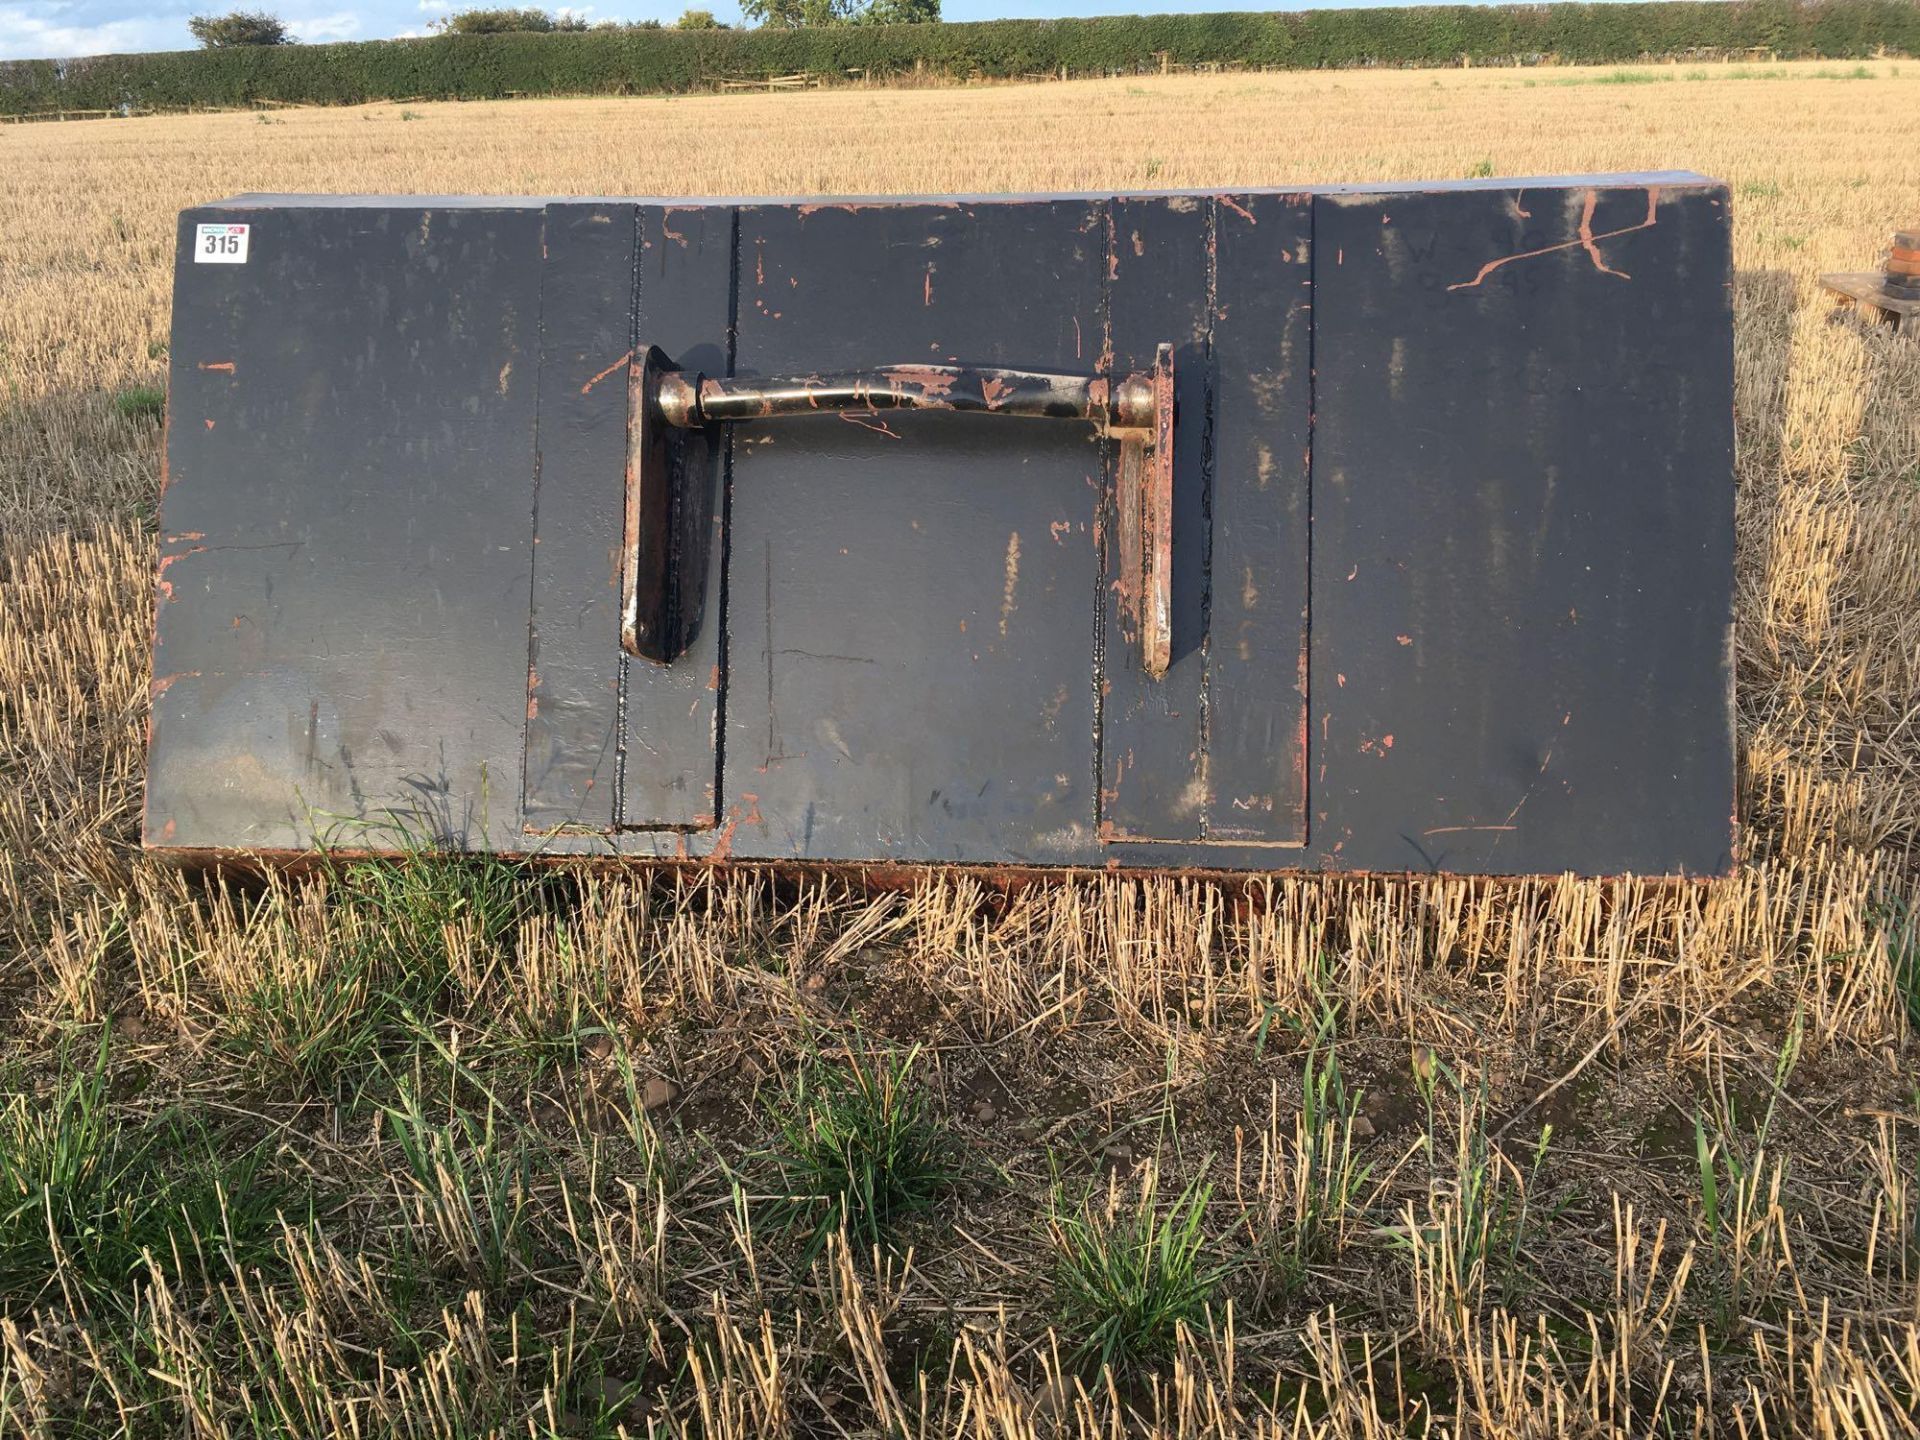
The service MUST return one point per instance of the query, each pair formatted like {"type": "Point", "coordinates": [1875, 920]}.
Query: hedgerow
{"type": "Point", "coordinates": [647, 61]}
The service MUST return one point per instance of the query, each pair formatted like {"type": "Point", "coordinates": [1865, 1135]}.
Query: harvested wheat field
{"type": "Point", "coordinates": [453, 1149]}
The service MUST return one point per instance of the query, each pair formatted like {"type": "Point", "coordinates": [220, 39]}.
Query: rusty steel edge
{"type": "Point", "coordinates": [294, 863]}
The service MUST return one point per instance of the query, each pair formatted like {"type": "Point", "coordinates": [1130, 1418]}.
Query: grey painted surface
{"type": "Point", "coordinates": [1490, 424]}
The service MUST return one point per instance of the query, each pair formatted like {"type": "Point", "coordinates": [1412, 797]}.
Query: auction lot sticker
{"type": "Point", "coordinates": [220, 245]}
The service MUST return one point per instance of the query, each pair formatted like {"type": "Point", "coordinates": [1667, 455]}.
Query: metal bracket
{"type": "Point", "coordinates": [666, 403]}
{"type": "Point", "coordinates": [1145, 502]}
{"type": "Point", "coordinates": [647, 573]}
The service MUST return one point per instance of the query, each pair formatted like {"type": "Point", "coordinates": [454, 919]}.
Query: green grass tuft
{"type": "Point", "coordinates": [89, 1198]}
{"type": "Point", "coordinates": [471, 1181]}
{"type": "Point", "coordinates": [328, 1023]}
{"type": "Point", "coordinates": [1129, 1276]}
{"type": "Point", "coordinates": [858, 1146]}
{"type": "Point", "coordinates": [1899, 921]}
{"type": "Point", "coordinates": [142, 402]}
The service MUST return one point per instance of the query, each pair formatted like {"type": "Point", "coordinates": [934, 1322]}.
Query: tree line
{"type": "Point", "coordinates": [260, 27]}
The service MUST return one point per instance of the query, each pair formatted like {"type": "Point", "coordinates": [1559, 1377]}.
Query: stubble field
{"type": "Point", "coordinates": [448, 1149]}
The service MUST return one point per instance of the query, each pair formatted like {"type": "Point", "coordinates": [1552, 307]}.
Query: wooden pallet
{"type": "Point", "coordinates": [1867, 290]}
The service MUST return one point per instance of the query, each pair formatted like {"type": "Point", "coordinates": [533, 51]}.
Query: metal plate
{"type": "Point", "coordinates": [344, 550]}
{"type": "Point", "coordinates": [1451, 560]}
{"type": "Point", "coordinates": [910, 626]}
{"type": "Point", "coordinates": [1523, 529]}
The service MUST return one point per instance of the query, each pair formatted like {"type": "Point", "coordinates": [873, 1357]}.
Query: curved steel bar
{"type": "Point", "coordinates": [690, 401]}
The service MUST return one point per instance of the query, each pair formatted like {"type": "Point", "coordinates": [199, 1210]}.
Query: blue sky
{"type": "Point", "coordinates": [54, 28]}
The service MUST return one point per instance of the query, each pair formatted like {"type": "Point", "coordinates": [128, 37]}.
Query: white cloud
{"type": "Point", "coordinates": [315, 29]}
{"type": "Point", "coordinates": [51, 32]}
{"type": "Point", "coordinates": [435, 7]}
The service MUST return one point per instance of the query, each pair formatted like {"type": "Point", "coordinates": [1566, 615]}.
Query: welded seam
{"type": "Point", "coordinates": [626, 661]}
{"type": "Point", "coordinates": [1313, 427]}
{"type": "Point", "coordinates": [725, 617]}
{"type": "Point", "coordinates": [1103, 529]}
{"type": "Point", "coordinates": [533, 522]}
{"type": "Point", "coordinates": [1209, 404]}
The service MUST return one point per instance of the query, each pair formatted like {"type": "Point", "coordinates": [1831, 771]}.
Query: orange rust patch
{"type": "Point", "coordinates": [1585, 239]}
{"type": "Point", "coordinates": [855, 207]}
{"type": "Point", "coordinates": [870, 420]}
{"type": "Point", "coordinates": [991, 389]}
{"type": "Point", "coordinates": [928, 380]}
{"type": "Point", "coordinates": [167, 561]}
{"type": "Point", "coordinates": [623, 360]}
